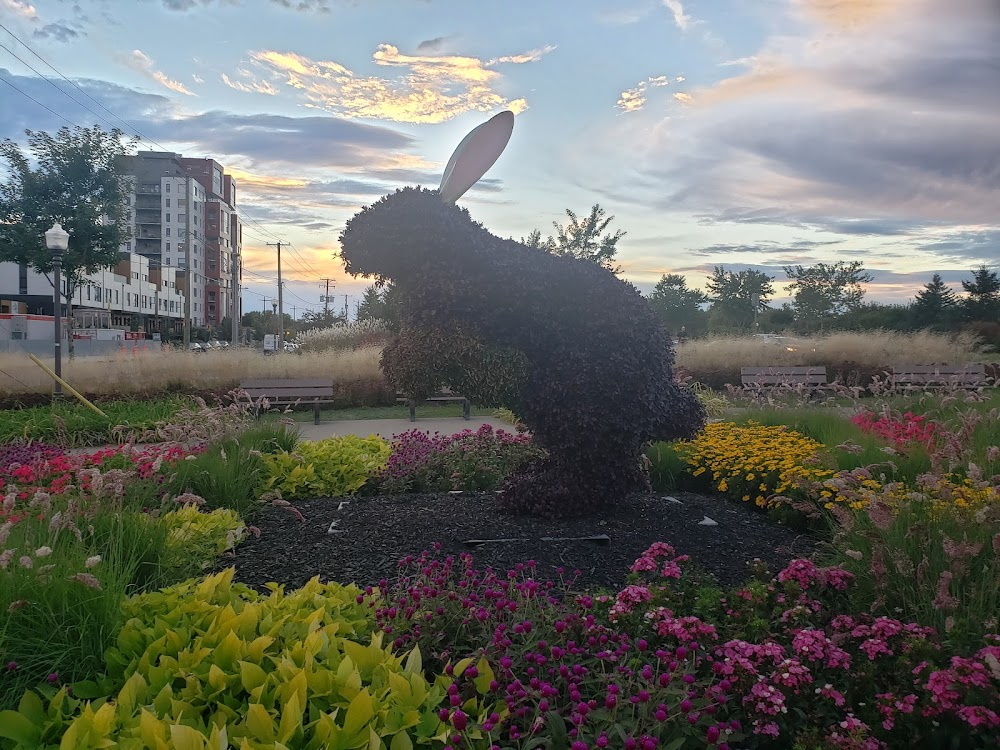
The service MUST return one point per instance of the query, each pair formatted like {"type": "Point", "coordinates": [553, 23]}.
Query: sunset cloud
{"type": "Point", "coordinates": [141, 63]}
{"type": "Point", "coordinates": [250, 87]}
{"type": "Point", "coordinates": [428, 88]}
{"type": "Point", "coordinates": [883, 128]}
{"type": "Point", "coordinates": [634, 99]}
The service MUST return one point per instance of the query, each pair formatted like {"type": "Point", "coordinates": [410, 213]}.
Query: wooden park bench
{"type": "Point", "coordinates": [290, 392]}
{"type": "Point", "coordinates": [443, 396]}
{"type": "Point", "coordinates": [939, 376]}
{"type": "Point", "coordinates": [761, 378]}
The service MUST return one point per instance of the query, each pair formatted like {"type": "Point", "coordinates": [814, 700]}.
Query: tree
{"type": "Point", "coordinates": [737, 296]}
{"type": "Point", "coordinates": [321, 319]}
{"type": "Point", "coordinates": [372, 307]}
{"type": "Point", "coordinates": [983, 302]}
{"type": "Point", "coordinates": [78, 183]}
{"type": "Point", "coordinates": [381, 305]}
{"type": "Point", "coordinates": [586, 239]}
{"type": "Point", "coordinates": [825, 290]}
{"type": "Point", "coordinates": [935, 304]}
{"type": "Point", "coordinates": [535, 240]}
{"type": "Point", "coordinates": [265, 322]}
{"type": "Point", "coordinates": [677, 305]}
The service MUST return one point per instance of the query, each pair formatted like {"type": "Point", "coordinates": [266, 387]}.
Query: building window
{"type": "Point", "coordinates": [145, 277]}
{"type": "Point", "coordinates": [168, 218]}
{"type": "Point", "coordinates": [181, 218]}
{"type": "Point", "coordinates": [116, 296]}
{"type": "Point", "coordinates": [168, 187]}
{"type": "Point", "coordinates": [168, 231]}
{"type": "Point", "coordinates": [135, 275]}
{"type": "Point", "coordinates": [128, 246]}
{"type": "Point", "coordinates": [168, 203]}
{"type": "Point", "coordinates": [88, 291]}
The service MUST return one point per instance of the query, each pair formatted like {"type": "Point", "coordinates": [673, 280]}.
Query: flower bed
{"type": "Point", "coordinates": [448, 656]}
{"type": "Point", "coordinates": [889, 640]}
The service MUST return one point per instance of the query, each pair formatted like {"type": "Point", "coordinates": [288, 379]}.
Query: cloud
{"type": "Point", "coordinates": [889, 128]}
{"type": "Point", "coordinates": [60, 31]}
{"type": "Point", "coordinates": [619, 16]}
{"type": "Point", "coordinates": [277, 141]}
{"type": "Point", "coordinates": [429, 88]}
{"type": "Point", "coordinates": [253, 87]}
{"type": "Point", "coordinates": [847, 14]}
{"type": "Point", "coordinates": [634, 99]}
{"type": "Point", "coordinates": [318, 6]}
{"type": "Point", "coordinates": [20, 8]}
{"type": "Point", "coordinates": [681, 19]}
{"type": "Point", "coordinates": [432, 45]}
{"type": "Point", "coordinates": [197, 78]}
{"type": "Point", "coordinates": [141, 63]}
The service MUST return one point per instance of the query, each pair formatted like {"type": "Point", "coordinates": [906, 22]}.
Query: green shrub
{"type": "Point", "coordinates": [212, 661]}
{"type": "Point", "coordinates": [326, 468]}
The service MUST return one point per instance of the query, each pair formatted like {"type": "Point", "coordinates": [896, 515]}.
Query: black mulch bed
{"type": "Point", "coordinates": [372, 534]}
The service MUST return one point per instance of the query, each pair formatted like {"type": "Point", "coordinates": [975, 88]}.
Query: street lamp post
{"type": "Point", "coordinates": [57, 240]}
{"type": "Point", "coordinates": [277, 327]}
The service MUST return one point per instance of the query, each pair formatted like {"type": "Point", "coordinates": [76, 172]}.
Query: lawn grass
{"type": "Point", "coordinates": [429, 411]}
{"type": "Point", "coordinates": [72, 425]}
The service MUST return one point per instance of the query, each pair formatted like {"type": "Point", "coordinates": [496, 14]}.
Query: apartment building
{"type": "Point", "coordinates": [132, 295]}
{"type": "Point", "coordinates": [183, 218]}
{"type": "Point", "coordinates": [222, 234]}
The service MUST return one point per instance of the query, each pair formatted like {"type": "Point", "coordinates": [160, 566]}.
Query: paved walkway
{"type": "Point", "coordinates": [389, 427]}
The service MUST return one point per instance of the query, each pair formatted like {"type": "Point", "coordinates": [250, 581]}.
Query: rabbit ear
{"type": "Point", "coordinates": [477, 152]}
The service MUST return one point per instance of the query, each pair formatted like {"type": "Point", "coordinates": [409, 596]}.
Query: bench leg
{"type": "Point", "coordinates": [466, 410]}
{"type": "Point", "coordinates": [413, 411]}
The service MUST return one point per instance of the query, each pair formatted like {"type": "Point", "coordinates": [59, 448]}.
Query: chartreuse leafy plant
{"type": "Point", "coordinates": [213, 664]}
{"type": "Point", "coordinates": [326, 468]}
{"type": "Point", "coordinates": [196, 538]}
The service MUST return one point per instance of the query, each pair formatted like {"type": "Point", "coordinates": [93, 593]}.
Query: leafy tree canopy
{"type": "Point", "coordinates": [824, 290]}
{"type": "Point", "coordinates": [74, 178]}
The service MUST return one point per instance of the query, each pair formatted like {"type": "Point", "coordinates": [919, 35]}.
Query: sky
{"type": "Point", "coordinates": [744, 133]}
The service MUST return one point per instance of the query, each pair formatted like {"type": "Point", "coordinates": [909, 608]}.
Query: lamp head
{"type": "Point", "coordinates": [57, 239]}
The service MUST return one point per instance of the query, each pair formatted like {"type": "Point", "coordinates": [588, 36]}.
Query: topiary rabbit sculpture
{"type": "Point", "coordinates": [574, 351]}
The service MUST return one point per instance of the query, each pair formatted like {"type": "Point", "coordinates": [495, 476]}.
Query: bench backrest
{"type": "Point", "coordinates": [931, 374]}
{"type": "Point", "coordinates": [752, 376]}
{"type": "Point", "coordinates": [288, 388]}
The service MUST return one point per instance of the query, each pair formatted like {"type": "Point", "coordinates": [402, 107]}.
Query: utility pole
{"type": "Point", "coordinates": [234, 269]}
{"type": "Point", "coordinates": [326, 299]}
{"type": "Point", "coordinates": [281, 306]}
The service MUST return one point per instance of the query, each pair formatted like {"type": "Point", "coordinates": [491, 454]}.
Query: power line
{"type": "Point", "coordinates": [36, 101]}
{"type": "Point", "coordinates": [140, 135]}
{"type": "Point", "coordinates": [50, 81]}
{"type": "Point", "coordinates": [69, 81]}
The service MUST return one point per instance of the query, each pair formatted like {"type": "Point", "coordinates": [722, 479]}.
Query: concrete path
{"type": "Point", "coordinates": [389, 427]}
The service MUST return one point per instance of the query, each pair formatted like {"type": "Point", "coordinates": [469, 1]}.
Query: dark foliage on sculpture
{"type": "Point", "coordinates": [576, 352]}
